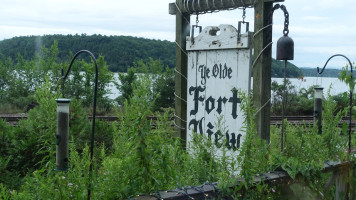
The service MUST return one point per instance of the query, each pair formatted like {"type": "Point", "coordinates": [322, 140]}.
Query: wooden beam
{"type": "Point", "coordinates": [199, 6]}
{"type": "Point", "coordinates": [262, 69]}
{"type": "Point", "coordinates": [182, 31]}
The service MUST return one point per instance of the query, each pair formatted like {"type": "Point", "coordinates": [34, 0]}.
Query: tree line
{"type": "Point", "coordinates": [120, 52]}
{"type": "Point", "coordinates": [312, 72]}
{"type": "Point", "coordinates": [20, 78]}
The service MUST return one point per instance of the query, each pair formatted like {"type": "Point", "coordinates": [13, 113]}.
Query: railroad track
{"type": "Point", "coordinates": [275, 120]}
{"type": "Point", "coordinates": [307, 120]}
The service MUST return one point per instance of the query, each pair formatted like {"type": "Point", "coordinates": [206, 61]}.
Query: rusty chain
{"type": "Point", "coordinates": [286, 17]}
{"type": "Point", "coordinates": [212, 6]}
{"type": "Point", "coordinates": [286, 20]}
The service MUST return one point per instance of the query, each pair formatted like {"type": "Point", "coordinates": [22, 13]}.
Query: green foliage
{"type": "Point", "coordinates": [146, 156]}
{"type": "Point", "coordinates": [49, 184]}
{"type": "Point", "coordinates": [29, 146]}
{"type": "Point", "coordinates": [4, 193]}
{"type": "Point", "coordinates": [119, 51]}
{"type": "Point", "coordinates": [302, 100]}
{"type": "Point", "coordinates": [346, 77]}
{"type": "Point", "coordinates": [139, 160]}
{"type": "Point", "coordinates": [20, 81]}
{"type": "Point", "coordinates": [163, 87]}
{"type": "Point", "coordinates": [305, 152]}
{"type": "Point", "coordinates": [125, 87]}
{"type": "Point", "coordinates": [8, 177]}
{"type": "Point", "coordinates": [162, 83]}
{"type": "Point", "coordinates": [81, 84]}
{"type": "Point", "coordinates": [253, 153]}
{"type": "Point", "coordinates": [132, 158]}
{"type": "Point", "coordinates": [332, 116]}
{"type": "Point", "coordinates": [342, 100]}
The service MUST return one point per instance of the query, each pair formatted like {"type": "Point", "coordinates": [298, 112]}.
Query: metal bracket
{"type": "Point", "coordinates": [316, 114]}
{"type": "Point", "coordinates": [192, 36]}
{"type": "Point", "coordinates": [239, 29]}
{"type": "Point", "coordinates": [58, 139]}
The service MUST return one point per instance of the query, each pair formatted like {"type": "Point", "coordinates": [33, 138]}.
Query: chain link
{"type": "Point", "coordinates": [286, 20]}
{"type": "Point", "coordinates": [212, 6]}
{"type": "Point", "coordinates": [243, 14]}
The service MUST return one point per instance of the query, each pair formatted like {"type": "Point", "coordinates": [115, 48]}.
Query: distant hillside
{"type": "Point", "coordinates": [278, 70]}
{"type": "Point", "coordinates": [119, 51]}
{"type": "Point", "coordinates": [312, 72]}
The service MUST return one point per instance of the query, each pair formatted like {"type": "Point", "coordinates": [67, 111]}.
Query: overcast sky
{"type": "Point", "coordinates": [319, 28]}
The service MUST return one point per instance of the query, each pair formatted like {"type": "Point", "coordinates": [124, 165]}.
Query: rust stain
{"type": "Point", "coordinates": [258, 16]}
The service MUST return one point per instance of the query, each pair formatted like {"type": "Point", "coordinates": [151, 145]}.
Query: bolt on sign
{"type": "Point", "coordinates": [218, 69]}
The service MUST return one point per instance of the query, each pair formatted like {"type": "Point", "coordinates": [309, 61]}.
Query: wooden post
{"type": "Point", "coordinates": [262, 69]}
{"type": "Point", "coordinates": [342, 183]}
{"type": "Point", "coordinates": [182, 31]}
{"type": "Point", "coordinates": [351, 185]}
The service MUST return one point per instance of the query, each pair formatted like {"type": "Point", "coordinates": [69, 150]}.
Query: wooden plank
{"type": "Point", "coordinates": [198, 6]}
{"type": "Point", "coordinates": [262, 70]}
{"type": "Point", "coordinates": [227, 39]}
{"type": "Point", "coordinates": [182, 31]}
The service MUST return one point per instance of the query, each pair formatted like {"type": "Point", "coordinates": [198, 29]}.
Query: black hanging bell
{"type": "Point", "coordinates": [285, 48]}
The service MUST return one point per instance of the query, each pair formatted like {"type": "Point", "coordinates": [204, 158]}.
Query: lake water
{"type": "Point", "coordinates": [336, 85]}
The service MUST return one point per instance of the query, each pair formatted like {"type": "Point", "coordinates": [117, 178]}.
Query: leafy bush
{"type": "Point", "coordinates": [302, 100]}
{"type": "Point", "coordinates": [132, 158]}
{"type": "Point", "coordinates": [19, 81]}
{"type": "Point", "coordinates": [162, 83]}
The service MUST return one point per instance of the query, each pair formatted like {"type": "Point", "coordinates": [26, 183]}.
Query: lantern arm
{"type": "Point", "coordinates": [320, 72]}
{"type": "Point", "coordinates": [95, 92]}
{"type": "Point", "coordinates": [94, 109]}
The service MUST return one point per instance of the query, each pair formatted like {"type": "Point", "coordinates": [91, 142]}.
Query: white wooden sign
{"type": "Point", "coordinates": [218, 68]}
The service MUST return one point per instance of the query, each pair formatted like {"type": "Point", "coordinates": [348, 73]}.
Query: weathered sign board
{"type": "Point", "coordinates": [218, 69]}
